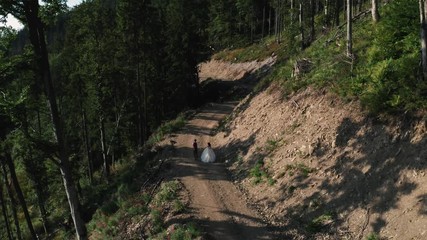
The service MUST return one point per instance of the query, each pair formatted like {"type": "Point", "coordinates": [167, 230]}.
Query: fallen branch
{"type": "Point", "coordinates": [367, 218]}
{"type": "Point", "coordinates": [295, 103]}
{"type": "Point", "coordinates": [152, 174]}
{"type": "Point", "coordinates": [345, 23]}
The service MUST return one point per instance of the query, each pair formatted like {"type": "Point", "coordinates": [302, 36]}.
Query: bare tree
{"type": "Point", "coordinates": [37, 39]}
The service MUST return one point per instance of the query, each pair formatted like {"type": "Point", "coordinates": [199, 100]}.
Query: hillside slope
{"type": "Point", "coordinates": [327, 170]}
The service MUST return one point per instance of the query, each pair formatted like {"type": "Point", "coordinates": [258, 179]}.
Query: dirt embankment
{"type": "Point", "coordinates": [314, 166]}
{"type": "Point", "coordinates": [213, 200]}
{"type": "Point", "coordinates": [225, 71]}
{"type": "Point", "coordinates": [329, 170]}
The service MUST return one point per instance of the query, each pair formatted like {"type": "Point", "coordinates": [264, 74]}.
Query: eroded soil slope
{"type": "Point", "coordinates": [328, 171]}
{"type": "Point", "coordinates": [214, 201]}
{"type": "Point", "coordinates": [312, 165]}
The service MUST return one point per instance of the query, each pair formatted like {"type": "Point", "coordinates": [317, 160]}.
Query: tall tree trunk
{"type": "Point", "coordinates": [313, 13]}
{"type": "Point", "coordinates": [39, 122]}
{"type": "Point", "coordinates": [338, 4]}
{"type": "Point", "coordinates": [263, 21]}
{"type": "Point", "coordinates": [326, 12]}
{"type": "Point", "coordinates": [37, 38]}
{"type": "Point", "coordinates": [279, 23]}
{"type": "Point", "coordinates": [349, 29]}
{"type": "Point", "coordinates": [87, 146]}
{"type": "Point", "coordinates": [276, 25]}
{"type": "Point", "coordinates": [104, 148]}
{"type": "Point", "coordinates": [5, 215]}
{"type": "Point", "coordinates": [86, 135]}
{"type": "Point", "coordinates": [12, 201]}
{"type": "Point", "coordinates": [269, 21]}
{"type": "Point", "coordinates": [20, 195]}
{"type": "Point", "coordinates": [139, 107]}
{"type": "Point", "coordinates": [41, 198]}
{"type": "Point", "coordinates": [374, 11]}
{"type": "Point", "coordinates": [145, 129]}
{"type": "Point", "coordinates": [42, 209]}
{"type": "Point", "coordinates": [423, 36]}
{"type": "Point", "coordinates": [252, 27]}
{"type": "Point", "coordinates": [291, 13]}
{"type": "Point", "coordinates": [301, 24]}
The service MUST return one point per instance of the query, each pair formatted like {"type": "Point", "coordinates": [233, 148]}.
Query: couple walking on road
{"type": "Point", "coordinates": [208, 154]}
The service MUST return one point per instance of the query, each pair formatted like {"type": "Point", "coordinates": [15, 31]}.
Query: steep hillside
{"type": "Point", "coordinates": [325, 169]}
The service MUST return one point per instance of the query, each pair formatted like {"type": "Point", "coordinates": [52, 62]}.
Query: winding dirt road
{"type": "Point", "coordinates": [215, 202]}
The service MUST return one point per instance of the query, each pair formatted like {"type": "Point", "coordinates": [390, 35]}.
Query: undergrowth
{"type": "Point", "coordinates": [260, 174]}
{"type": "Point", "coordinates": [265, 48]}
{"type": "Point", "coordinates": [319, 223]}
{"type": "Point", "coordinates": [384, 73]}
{"type": "Point", "coordinates": [301, 168]}
{"type": "Point", "coordinates": [121, 199]}
{"type": "Point", "coordinates": [373, 236]}
{"type": "Point", "coordinates": [167, 128]}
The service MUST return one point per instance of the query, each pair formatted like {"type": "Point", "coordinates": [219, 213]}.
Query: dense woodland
{"type": "Point", "coordinates": [82, 89]}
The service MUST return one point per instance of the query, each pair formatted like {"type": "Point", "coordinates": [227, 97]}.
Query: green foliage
{"type": "Point", "coordinates": [272, 145]}
{"type": "Point", "coordinates": [261, 50]}
{"type": "Point", "coordinates": [373, 236]}
{"type": "Point", "coordinates": [389, 79]}
{"type": "Point", "coordinates": [129, 65]}
{"type": "Point", "coordinates": [385, 74]}
{"type": "Point", "coordinates": [167, 192]}
{"type": "Point", "coordinates": [186, 232]}
{"type": "Point", "coordinates": [156, 221]}
{"type": "Point", "coordinates": [235, 24]}
{"type": "Point", "coordinates": [110, 207]}
{"type": "Point", "coordinates": [259, 173]}
{"type": "Point", "coordinates": [167, 128]}
{"type": "Point", "coordinates": [178, 206]}
{"type": "Point", "coordinates": [298, 167]}
{"type": "Point", "coordinates": [320, 222]}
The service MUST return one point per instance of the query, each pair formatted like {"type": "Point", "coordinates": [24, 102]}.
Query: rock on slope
{"type": "Point", "coordinates": [326, 169]}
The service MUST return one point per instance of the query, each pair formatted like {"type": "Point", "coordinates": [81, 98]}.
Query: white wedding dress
{"type": "Point", "coordinates": [208, 155]}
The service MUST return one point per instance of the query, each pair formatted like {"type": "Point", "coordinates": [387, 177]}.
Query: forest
{"type": "Point", "coordinates": [85, 90]}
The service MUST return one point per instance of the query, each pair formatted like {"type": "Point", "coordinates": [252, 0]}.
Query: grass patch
{"type": "Point", "coordinates": [156, 220]}
{"type": "Point", "coordinates": [264, 49]}
{"type": "Point", "coordinates": [373, 236]}
{"type": "Point", "coordinates": [272, 145]}
{"type": "Point", "coordinates": [125, 204]}
{"type": "Point", "coordinates": [186, 232]}
{"type": "Point", "coordinates": [319, 223]}
{"type": "Point", "coordinates": [260, 174]}
{"type": "Point", "coordinates": [301, 168]}
{"type": "Point", "coordinates": [178, 206]}
{"type": "Point", "coordinates": [167, 128]}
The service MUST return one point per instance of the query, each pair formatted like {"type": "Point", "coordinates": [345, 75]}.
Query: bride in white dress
{"type": "Point", "coordinates": [208, 154]}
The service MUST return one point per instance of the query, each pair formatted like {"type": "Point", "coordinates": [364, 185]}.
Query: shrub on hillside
{"type": "Point", "coordinates": [389, 78]}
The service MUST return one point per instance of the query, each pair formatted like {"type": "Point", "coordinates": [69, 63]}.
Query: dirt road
{"type": "Point", "coordinates": [215, 202]}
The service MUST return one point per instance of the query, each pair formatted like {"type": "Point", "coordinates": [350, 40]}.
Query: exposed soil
{"type": "Point", "coordinates": [329, 170]}
{"type": "Point", "coordinates": [214, 201]}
